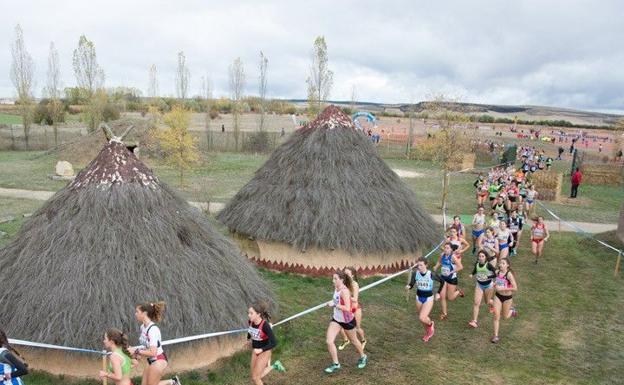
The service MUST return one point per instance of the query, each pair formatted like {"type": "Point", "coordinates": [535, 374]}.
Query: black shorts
{"type": "Point", "coordinates": [449, 280]}
{"type": "Point", "coordinates": [346, 325]}
{"type": "Point", "coordinates": [503, 298]}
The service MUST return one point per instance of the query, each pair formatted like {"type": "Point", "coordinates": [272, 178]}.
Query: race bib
{"type": "Point", "coordinates": [422, 285]}
{"type": "Point", "coordinates": [482, 277]}
{"type": "Point", "coordinates": [446, 270]}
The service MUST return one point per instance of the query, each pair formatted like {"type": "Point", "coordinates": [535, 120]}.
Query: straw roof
{"type": "Point", "coordinates": [113, 238]}
{"type": "Point", "coordinates": [327, 187]}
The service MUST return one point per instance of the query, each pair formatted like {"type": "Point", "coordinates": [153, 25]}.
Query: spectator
{"type": "Point", "coordinates": [577, 177]}
{"type": "Point", "coordinates": [223, 128]}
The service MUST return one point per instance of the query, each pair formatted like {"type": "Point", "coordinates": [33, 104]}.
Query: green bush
{"type": "Point", "coordinates": [110, 112]}
{"type": "Point", "coordinates": [257, 142]}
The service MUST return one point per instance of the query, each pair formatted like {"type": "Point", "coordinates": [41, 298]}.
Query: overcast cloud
{"type": "Point", "coordinates": [556, 53]}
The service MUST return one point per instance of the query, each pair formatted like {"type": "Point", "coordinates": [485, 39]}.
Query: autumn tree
{"type": "Point", "coordinates": [321, 77]}
{"type": "Point", "coordinates": [22, 76]}
{"type": "Point", "coordinates": [183, 76]}
{"type": "Point", "coordinates": [90, 79]}
{"type": "Point", "coordinates": [237, 84]}
{"type": "Point", "coordinates": [447, 144]}
{"type": "Point", "coordinates": [177, 143]}
{"type": "Point", "coordinates": [262, 88]}
{"type": "Point", "coordinates": [53, 90]}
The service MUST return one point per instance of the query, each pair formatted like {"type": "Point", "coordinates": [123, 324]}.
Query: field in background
{"type": "Point", "coordinates": [221, 175]}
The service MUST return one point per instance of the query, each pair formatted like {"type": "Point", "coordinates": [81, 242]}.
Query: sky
{"type": "Point", "coordinates": [529, 52]}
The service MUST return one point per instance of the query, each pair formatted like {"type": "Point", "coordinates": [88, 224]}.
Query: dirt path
{"type": "Point", "coordinates": [215, 207]}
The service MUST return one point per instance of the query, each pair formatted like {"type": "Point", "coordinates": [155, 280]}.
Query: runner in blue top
{"type": "Point", "coordinates": [10, 362]}
{"type": "Point", "coordinates": [450, 265]}
{"type": "Point", "coordinates": [423, 279]}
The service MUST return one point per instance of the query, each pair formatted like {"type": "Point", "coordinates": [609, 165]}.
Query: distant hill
{"type": "Point", "coordinates": [497, 111]}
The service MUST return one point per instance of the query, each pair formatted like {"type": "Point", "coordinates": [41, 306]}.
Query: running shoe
{"type": "Point", "coordinates": [332, 368]}
{"type": "Point", "coordinates": [514, 312]}
{"type": "Point", "coordinates": [473, 324]}
{"type": "Point", "coordinates": [343, 344]}
{"type": "Point", "coordinates": [431, 331]}
{"type": "Point", "coordinates": [461, 292]}
{"type": "Point", "coordinates": [443, 317]}
{"type": "Point", "coordinates": [176, 380]}
{"type": "Point", "coordinates": [362, 362]}
{"type": "Point", "coordinates": [491, 308]}
{"type": "Point", "coordinates": [277, 365]}
{"type": "Point", "coordinates": [363, 344]}
{"type": "Point", "coordinates": [495, 339]}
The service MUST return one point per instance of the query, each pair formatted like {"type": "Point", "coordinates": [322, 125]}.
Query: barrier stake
{"type": "Point", "coordinates": [105, 379]}
{"type": "Point", "coordinates": [617, 264]}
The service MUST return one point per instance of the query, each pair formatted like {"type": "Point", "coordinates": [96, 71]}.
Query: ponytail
{"type": "Point", "coordinates": [154, 310]}
{"type": "Point", "coordinates": [262, 307]}
{"type": "Point", "coordinates": [120, 339]}
{"type": "Point", "coordinates": [345, 279]}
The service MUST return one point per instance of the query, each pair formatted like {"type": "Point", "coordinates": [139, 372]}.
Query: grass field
{"type": "Point", "coordinates": [221, 175]}
{"type": "Point", "coordinates": [568, 331]}
{"type": "Point", "coordinates": [10, 119]}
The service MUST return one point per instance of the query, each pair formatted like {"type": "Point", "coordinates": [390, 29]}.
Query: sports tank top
{"type": "Point", "coordinates": [538, 231]}
{"type": "Point", "coordinates": [424, 282]}
{"type": "Point", "coordinates": [150, 336]}
{"type": "Point", "coordinates": [478, 219]}
{"type": "Point", "coordinates": [482, 273]}
{"type": "Point", "coordinates": [503, 235]}
{"type": "Point", "coordinates": [341, 315]}
{"type": "Point", "coordinates": [502, 281]}
{"type": "Point", "coordinates": [126, 363]}
{"type": "Point", "coordinates": [256, 333]}
{"type": "Point", "coordinates": [448, 266]}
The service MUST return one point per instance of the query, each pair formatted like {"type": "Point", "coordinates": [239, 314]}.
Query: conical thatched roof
{"type": "Point", "coordinates": [113, 238]}
{"type": "Point", "coordinates": [326, 187]}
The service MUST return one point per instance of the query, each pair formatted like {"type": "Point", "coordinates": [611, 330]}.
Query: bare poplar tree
{"type": "Point", "coordinates": [237, 83]}
{"type": "Point", "coordinates": [262, 88]}
{"type": "Point", "coordinates": [22, 73]}
{"type": "Point", "coordinates": [353, 98]}
{"type": "Point", "coordinates": [183, 76]}
{"type": "Point", "coordinates": [89, 74]}
{"type": "Point", "coordinates": [152, 89]}
{"type": "Point", "coordinates": [53, 89]}
{"type": "Point", "coordinates": [206, 93]}
{"type": "Point", "coordinates": [90, 79]}
{"type": "Point", "coordinates": [321, 77]}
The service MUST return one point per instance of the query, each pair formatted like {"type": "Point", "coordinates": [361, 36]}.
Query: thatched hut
{"type": "Point", "coordinates": [326, 200]}
{"type": "Point", "coordinates": [114, 237]}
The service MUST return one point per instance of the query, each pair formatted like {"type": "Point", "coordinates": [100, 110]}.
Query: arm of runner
{"type": "Point", "coordinates": [412, 280]}
{"type": "Point", "coordinates": [116, 375]}
{"type": "Point", "coordinates": [512, 280]}
{"type": "Point", "coordinates": [458, 265]}
{"type": "Point", "coordinates": [20, 367]}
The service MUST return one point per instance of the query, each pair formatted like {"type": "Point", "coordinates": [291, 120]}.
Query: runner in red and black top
{"type": "Point", "coordinates": [539, 235]}
{"type": "Point", "coordinates": [263, 341]}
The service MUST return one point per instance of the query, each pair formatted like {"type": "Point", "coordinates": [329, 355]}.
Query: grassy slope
{"type": "Point", "coordinates": [568, 331]}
